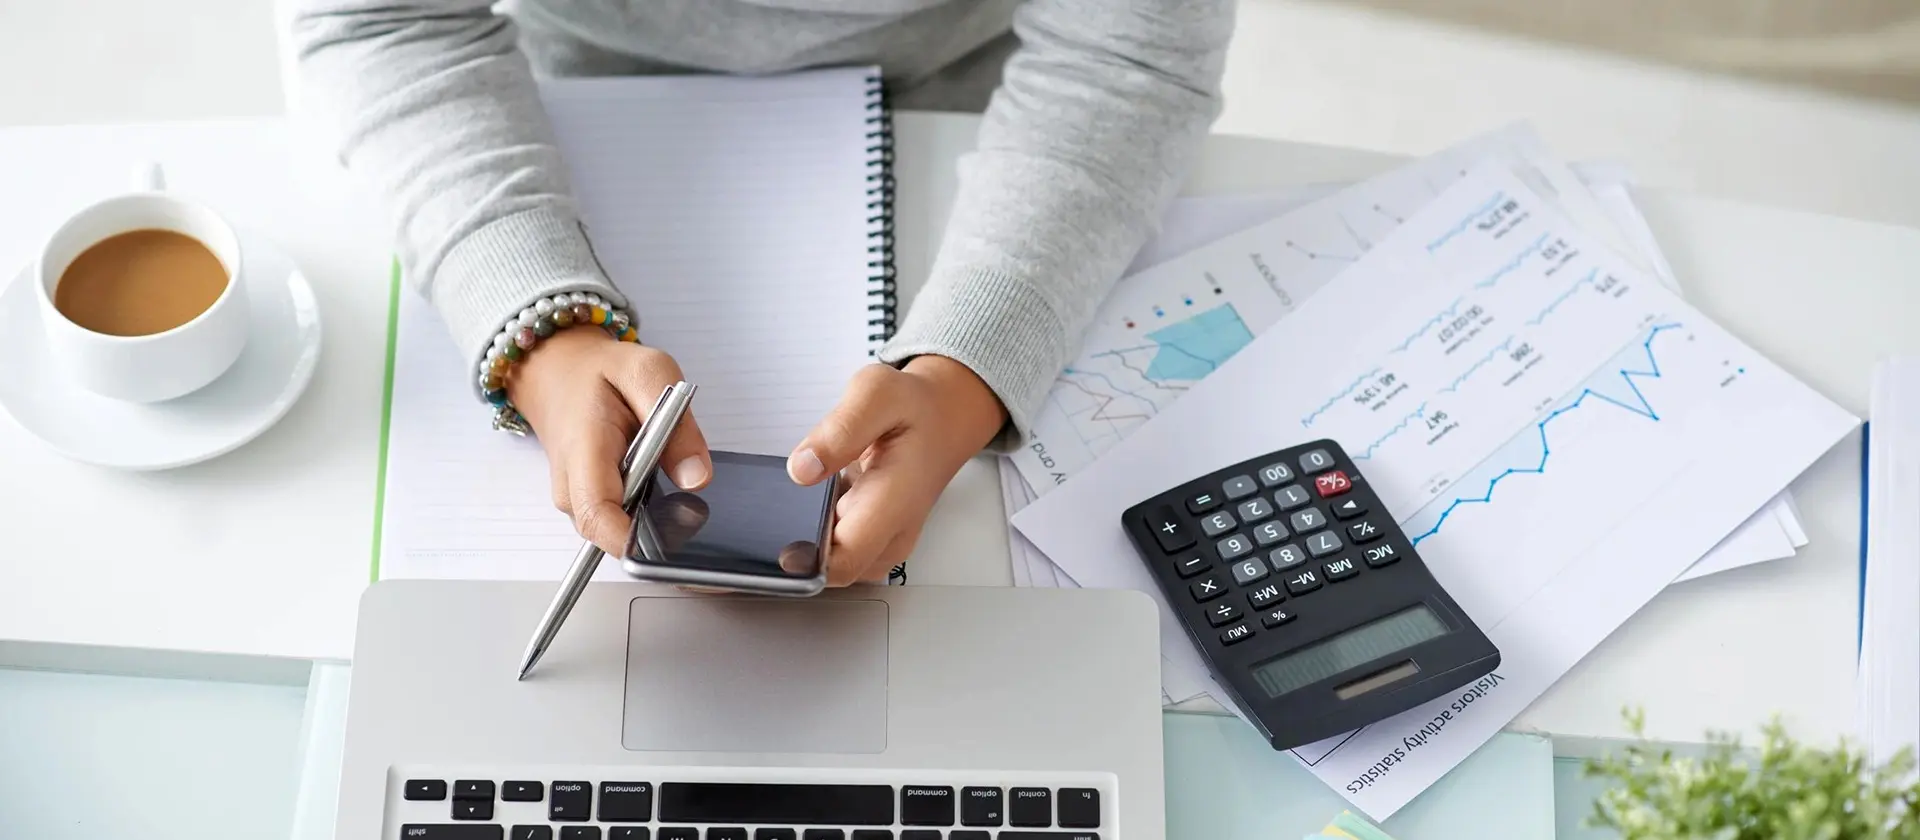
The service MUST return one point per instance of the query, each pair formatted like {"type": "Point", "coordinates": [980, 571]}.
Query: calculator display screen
{"type": "Point", "coordinates": [1363, 644]}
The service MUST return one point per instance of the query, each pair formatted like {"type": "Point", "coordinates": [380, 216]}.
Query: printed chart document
{"type": "Point", "coordinates": [734, 215]}
{"type": "Point", "coordinates": [1559, 434]}
{"type": "Point", "coordinates": [1164, 327]}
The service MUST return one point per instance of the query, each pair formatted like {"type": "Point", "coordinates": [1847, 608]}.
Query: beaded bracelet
{"type": "Point", "coordinates": [521, 333]}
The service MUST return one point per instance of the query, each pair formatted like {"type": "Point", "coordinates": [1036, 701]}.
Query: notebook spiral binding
{"type": "Point", "coordinates": [882, 300]}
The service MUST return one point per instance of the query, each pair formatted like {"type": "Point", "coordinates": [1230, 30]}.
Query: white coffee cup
{"type": "Point", "coordinates": [163, 365]}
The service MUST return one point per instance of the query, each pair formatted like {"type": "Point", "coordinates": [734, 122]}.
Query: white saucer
{"type": "Point", "coordinates": [283, 346]}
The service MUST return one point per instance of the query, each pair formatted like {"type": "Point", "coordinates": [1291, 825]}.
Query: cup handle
{"type": "Point", "coordinates": [147, 177]}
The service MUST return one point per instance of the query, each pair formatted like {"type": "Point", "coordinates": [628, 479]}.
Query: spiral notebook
{"type": "Point", "coordinates": [748, 221]}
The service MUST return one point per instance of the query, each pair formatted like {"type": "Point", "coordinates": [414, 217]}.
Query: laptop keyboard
{"type": "Point", "coordinates": [969, 806]}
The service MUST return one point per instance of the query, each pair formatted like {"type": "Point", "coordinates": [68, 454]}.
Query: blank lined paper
{"type": "Point", "coordinates": [734, 214]}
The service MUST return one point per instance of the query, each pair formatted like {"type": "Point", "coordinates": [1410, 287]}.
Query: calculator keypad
{"type": "Point", "coordinates": [1248, 544]}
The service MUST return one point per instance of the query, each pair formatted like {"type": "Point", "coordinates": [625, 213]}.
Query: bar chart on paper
{"type": "Point", "coordinates": [1560, 433]}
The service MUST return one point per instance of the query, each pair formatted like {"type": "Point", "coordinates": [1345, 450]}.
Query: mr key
{"type": "Point", "coordinates": [1298, 540]}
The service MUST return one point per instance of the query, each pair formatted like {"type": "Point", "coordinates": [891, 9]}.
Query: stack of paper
{"type": "Point", "coordinates": [1890, 558]}
{"type": "Point", "coordinates": [1563, 436]}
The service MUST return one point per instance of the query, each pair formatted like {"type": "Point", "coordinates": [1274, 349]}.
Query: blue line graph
{"type": "Point", "coordinates": [1308, 420]}
{"type": "Point", "coordinates": [1476, 366]}
{"type": "Point", "coordinates": [1435, 321]}
{"type": "Point", "coordinates": [1511, 267]}
{"type": "Point", "coordinates": [1418, 411]}
{"type": "Point", "coordinates": [1639, 406]}
{"type": "Point", "coordinates": [1564, 296]}
{"type": "Point", "coordinates": [1460, 228]}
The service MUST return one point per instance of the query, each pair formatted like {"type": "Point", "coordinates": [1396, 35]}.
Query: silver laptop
{"type": "Point", "coordinates": [872, 713]}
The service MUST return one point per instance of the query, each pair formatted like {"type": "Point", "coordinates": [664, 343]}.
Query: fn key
{"type": "Point", "coordinates": [1079, 808]}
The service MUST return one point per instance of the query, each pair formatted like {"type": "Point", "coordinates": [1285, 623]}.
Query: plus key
{"type": "Point", "coordinates": [1332, 483]}
{"type": "Point", "coordinates": [1169, 530]}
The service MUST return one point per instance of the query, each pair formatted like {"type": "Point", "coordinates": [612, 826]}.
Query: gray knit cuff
{"type": "Point", "coordinates": [502, 268]}
{"type": "Point", "coordinates": [998, 326]}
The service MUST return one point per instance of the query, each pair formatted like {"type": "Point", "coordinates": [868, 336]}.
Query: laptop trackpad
{"type": "Point", "coordinates": [762, 675]}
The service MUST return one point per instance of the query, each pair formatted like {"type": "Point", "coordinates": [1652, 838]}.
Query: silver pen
{"type": "Point", "coordinates": [643, 456]}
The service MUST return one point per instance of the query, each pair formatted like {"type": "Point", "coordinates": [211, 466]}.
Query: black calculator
{"type": "Point", "coordinates": [1305, 597]}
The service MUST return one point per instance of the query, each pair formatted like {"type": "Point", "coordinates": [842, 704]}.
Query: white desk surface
{"type": "Point", "coordinates": [264, 552]}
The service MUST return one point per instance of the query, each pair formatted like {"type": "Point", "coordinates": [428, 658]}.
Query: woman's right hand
{"type": "Point", "coordinates": [584, 394]}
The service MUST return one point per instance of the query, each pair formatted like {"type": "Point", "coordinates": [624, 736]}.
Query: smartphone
{"type": "Point", "coordinates": [751, 529]}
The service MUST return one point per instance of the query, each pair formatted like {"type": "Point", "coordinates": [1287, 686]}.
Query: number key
{"type": "Point", "coordinates": [1240, 487]}
{"type": "Point", "coordinates": [1217, 524]}
{"type": "Point", "coordinates": [1291, 496]}
{"type": "Point", "coordinates": [1233, 546]}
{"type": "Point", "coordinates": [1310, 519]}
{"type": "Point", "coordinates": [1315, 460]}
{"type": "Point", "coordinates": [1268, 533]}
{"type": "Point", "coordinates": [1286, 556]}
{"type": "Point", "coordinates": [1248, 571]}
{"type": "Point", "coordinates": [1222, 614]}
{"type": "Point", "coordinates": [1254, 510]}
{"type": "Point", "coordinates": [1273, 474]}
{"type": "Point", "coordinates": [1323, 544]}
{"type": "Point", "coordinates": [1208, 588]}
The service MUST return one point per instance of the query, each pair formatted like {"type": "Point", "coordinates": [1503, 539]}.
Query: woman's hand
{"type": "Point", "coordinates": [900, 435]}
{"type": "Point", "coordinates": [584, 395]}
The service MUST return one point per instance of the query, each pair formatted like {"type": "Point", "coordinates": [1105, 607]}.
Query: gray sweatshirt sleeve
{"type": "Point", "coordinates": [1098, 116]}
{"type": "Point", "coordinates": [433, 102]}
{"type": "Point", "coordinates": [1097, 119]}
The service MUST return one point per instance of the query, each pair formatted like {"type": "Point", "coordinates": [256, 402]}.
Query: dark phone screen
{"type": "Point", "coordinates": [750, 519]}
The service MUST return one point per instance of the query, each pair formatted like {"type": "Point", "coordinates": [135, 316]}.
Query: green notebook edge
{"type": "Point", "coordinates": [386, 419]}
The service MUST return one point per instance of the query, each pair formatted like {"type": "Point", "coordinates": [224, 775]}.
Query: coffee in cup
{"type": "Point", "coordinates": [141, 296]}
{"type": "Point", "coordinates": [139, 283]}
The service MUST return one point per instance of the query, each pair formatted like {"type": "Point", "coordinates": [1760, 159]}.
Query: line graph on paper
{"type": "Point", "coordinates": [1160, 333]}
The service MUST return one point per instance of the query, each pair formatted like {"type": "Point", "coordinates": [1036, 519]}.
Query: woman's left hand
{"type": "Point", "coordinates": [899, 435]}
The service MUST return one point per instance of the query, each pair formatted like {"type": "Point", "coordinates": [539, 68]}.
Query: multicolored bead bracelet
{"type": "Point", "coordinates": [544, 318]}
